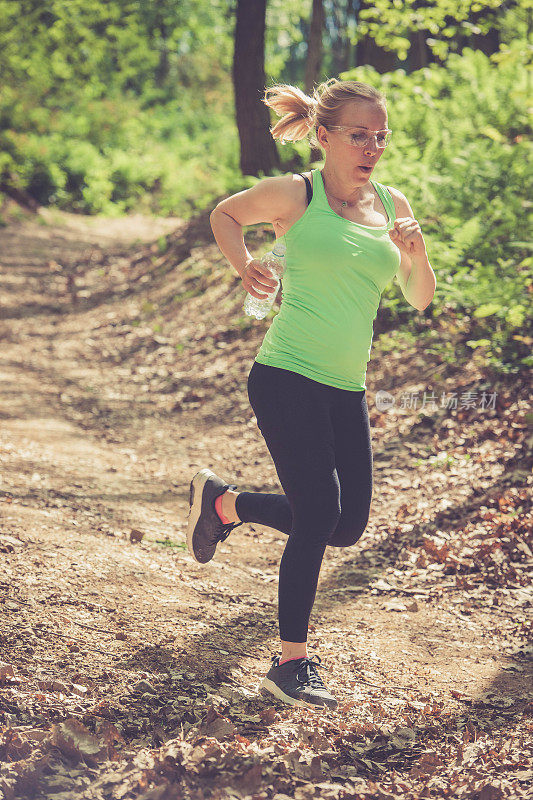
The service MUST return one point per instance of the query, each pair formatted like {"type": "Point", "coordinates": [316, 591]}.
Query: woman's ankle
{"type": "Point", "coordinates": [290, 650]}
{"type": "Point", "coordinates": [228, 505]}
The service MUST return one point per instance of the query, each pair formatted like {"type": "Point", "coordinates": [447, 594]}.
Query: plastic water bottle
{"type": "Point", "coordinates": [275, 261]}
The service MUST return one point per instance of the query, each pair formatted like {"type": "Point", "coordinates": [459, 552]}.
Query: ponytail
{"type": "Point", "coordinates": [300, 114]}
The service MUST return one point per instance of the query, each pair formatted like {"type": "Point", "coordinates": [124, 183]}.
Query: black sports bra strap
{"type": "Point", "coordinates": [308, 187]}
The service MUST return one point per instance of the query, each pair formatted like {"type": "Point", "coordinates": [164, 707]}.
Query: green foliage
{"type": "Point", "coordinates": [391, 22]}
{"type": "Point", "coordinates": [110, 156]}
{"type": "Point", "coordinates": [170, 543]}
{"type": "Point", "coordinates": [109, 106]}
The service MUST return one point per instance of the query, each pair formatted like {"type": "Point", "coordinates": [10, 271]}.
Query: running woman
{"type": "Point", "coordinates": [347, 236]}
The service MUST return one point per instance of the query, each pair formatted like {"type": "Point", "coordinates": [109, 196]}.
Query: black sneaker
{"type": "Point", "coordinates": [297, 683]}
{"type": "Point", "coordinates": [205, 529]}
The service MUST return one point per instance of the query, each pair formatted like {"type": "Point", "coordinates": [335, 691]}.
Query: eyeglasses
{"type": "Point", "coordinates": [360, 138]}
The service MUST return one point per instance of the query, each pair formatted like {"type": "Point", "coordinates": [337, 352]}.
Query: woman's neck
{"type": "Point", "coordinates": [341, 190]}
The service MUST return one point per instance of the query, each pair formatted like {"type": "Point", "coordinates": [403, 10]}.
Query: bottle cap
{"type": "Point", "coordinates": [280, 247]}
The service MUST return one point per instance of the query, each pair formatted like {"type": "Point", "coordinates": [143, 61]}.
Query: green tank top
{"type": "Point", "coordinates": [335, 272]}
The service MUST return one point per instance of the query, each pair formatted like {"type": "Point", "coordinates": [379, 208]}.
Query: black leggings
{"type": "Point", "coordinates": [319, 439]}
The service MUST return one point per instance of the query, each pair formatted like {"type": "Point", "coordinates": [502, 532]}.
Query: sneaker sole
{"type": "Point", "coordinates": [269, 687]}
{"type": "Point", "coordinates": [196, 491]}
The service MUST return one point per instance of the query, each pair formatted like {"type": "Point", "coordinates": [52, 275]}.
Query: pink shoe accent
{"type": "Point", "coordinates": [295, 658]}
{"type": "Point", "coordinates": [218, 508]}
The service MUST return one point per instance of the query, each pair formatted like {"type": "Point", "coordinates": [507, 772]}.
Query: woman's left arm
{"type": "Point", "coordinates": [415, 274]}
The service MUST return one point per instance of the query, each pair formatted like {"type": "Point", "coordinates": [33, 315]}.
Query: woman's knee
{"type": "Point", "coordinates": [317, 522]}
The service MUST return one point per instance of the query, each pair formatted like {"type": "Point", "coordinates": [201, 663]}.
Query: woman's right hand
{"type": "Point", "coordinates": [257, 279]}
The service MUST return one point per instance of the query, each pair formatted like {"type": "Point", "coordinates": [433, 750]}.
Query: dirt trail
{"type": "Point", "coordinates": [87, 458]}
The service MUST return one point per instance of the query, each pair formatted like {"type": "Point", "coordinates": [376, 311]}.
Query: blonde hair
{"type": "Point", "coordinates": [303, 113]}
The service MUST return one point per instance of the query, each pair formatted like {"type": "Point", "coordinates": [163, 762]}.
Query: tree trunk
{"type": "Point", "coordinates": [368, 52]}
{"type": "Point", "coordinates": [420, 54]}
{"type": "Point", "coordinates": [258, 149]}
{"type": "Point", "coordinates": [313, 63]}
{"type": "Point", "coordinates": [488, 42]}
{"type": "Point", "coordinates": [163, 67]}
{"type": "Point", "coordinates": [348, 49]}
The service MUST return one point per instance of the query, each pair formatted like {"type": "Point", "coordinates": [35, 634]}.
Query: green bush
{"type": "Point", "coordinates": [111, 155]}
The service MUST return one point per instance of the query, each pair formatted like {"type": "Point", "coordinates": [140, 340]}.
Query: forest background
{"type": "Point", "coordinates": [109, 107]}
{"type": "Point", "coordinates": [125, 351]}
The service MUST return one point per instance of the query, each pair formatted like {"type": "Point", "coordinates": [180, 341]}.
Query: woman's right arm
{"type": "Point", "coordinates": [268, 201]}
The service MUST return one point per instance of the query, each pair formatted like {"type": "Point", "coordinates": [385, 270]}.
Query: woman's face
{"type": "Point", "coordinates": [345, 157]}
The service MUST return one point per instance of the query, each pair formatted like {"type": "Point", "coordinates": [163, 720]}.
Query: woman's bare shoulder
{"type": "Point", "coordinates": [401, 203]}
{"type": "Point", "coordinates": [295, 203]}
{"type": "Point", "coordinates": [268, 200]}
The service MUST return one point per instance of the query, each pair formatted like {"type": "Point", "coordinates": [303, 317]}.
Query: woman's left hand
{"type": "Point", "coordinates": [407, 236]}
